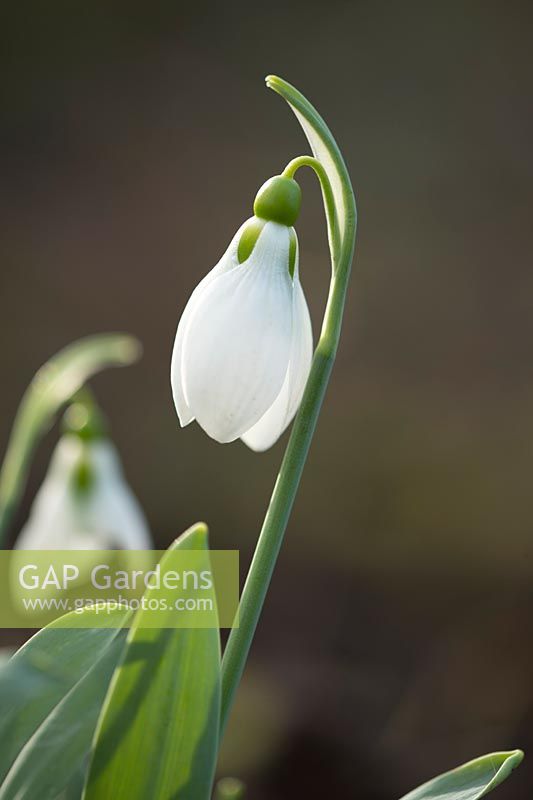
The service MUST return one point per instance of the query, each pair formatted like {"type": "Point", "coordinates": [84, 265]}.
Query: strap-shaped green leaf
{"type": "Point", "coordinates": [53, 385]}
{"type": "Point", "coordinates": [469, 781]}
{"type": "Point", "coordinates": [158, 733]}
{"type": "Point", "coordinates": [51, 692]}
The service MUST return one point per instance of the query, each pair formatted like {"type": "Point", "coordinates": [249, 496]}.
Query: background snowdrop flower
{"type": "Point", "coordinates": [243, 347]}
{"type": "Point", "coordinates": [84, 502]}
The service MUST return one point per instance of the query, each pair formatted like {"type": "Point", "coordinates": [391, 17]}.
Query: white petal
{"type": "Point", "coordinates": [55, 524]}
{"type": "Point", "coordinates": [106, 516]}
{"type": "Point", "coordinates": [272, 424]}
{"type": "Point", "coordinates": [228, 261]}
{"type": "Point", "coordinates": [50, 524]}
{"type": "Point", "coordinates": [114, 509]}
{"type": "Point", "coordinates": [237, 341]}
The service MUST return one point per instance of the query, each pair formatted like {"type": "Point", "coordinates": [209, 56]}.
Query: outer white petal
{"type": "Point", "coordinates": [228, 261]}
{"type": "Point", "coordinates": [107, 516]}
{"type": "Point", "coordinates": [113, 507]}
{"type": "Point", "coordinates": [272, 424]}
{"type": "Point", "coordinates": [55, 524]}
{"type": "Point", "coordinates": [237, 341]}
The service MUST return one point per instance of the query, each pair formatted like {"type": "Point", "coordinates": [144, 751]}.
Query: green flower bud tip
{"type": "Point", "coordinates": [230, 789]}
{"type": "Point", "coordinates": [279, 200]}
{"type": "Point", "coordinates": [84, 420]}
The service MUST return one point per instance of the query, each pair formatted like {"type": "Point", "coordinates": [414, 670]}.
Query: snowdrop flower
{"type": "Point", "coordinates": [244, 343]}
{"type": "Point", "coordinates": [84, 502]}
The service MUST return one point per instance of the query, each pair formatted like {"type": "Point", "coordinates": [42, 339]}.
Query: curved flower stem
{"type": "Point", "coordinates": [327, 194]}
{"type": "Point", "coordinates": [286, 486]}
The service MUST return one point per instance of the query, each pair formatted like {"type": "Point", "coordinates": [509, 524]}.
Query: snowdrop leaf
{"type": "Point", "coordinates": [52, 386]}
{"type": "Point", "coordinates": [158, 732]}
{"type": "Point", "coordinates": [470, 781]}
{"type": "Point", "coordinates": [342, 217]}
{"type": "Point", "coordinates": [51, 692]}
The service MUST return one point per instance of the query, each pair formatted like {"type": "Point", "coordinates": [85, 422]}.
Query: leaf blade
{"type": "Point", "coordinates": [470, 781]}
{"type": "Point", "coordinates": [168, 683]}
{"type": "Point", "coordinates": [36, 690]}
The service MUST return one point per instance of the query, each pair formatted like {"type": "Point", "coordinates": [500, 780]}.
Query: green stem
{"type": "Point", "coordinates": [327, 194]}
{"type": "Point", "coordinates": [277, 517]}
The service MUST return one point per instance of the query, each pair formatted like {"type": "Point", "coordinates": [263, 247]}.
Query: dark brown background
{"type": "Point", "coordinates": [397, 637]}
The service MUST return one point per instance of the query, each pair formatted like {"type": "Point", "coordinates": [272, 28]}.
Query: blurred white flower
{"type": "Point", "coordinates": [84, 502]}
{"type": "Point", "coordinates": [244, 342]}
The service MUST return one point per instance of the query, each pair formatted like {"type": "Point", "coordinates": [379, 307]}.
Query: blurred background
{"type": "Point", "coordinates": [397, 640]}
